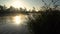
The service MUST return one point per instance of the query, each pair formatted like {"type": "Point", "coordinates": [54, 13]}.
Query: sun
{"type": "Point", "coordinates": [17, 4]}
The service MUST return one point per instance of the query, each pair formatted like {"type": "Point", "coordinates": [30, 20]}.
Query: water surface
{"type": "Point", "coordinates": [16, 24]}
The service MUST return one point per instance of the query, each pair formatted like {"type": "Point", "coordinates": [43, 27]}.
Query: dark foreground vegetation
{"type": "Point", "coordinates": [46, 23]}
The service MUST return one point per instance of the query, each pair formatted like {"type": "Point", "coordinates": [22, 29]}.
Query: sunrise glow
{"type": "Point", "coordinates": [17, 4]}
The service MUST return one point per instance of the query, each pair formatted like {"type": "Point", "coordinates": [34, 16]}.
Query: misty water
{"type": "Point", "coordinates": [8, 24]}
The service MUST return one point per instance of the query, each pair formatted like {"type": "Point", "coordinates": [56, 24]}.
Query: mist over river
{"type": "Point", "coordinates": [16, 24]}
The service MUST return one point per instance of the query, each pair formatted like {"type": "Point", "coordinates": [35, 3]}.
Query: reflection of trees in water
{"type": "Point", "coordinates": [4, 20]}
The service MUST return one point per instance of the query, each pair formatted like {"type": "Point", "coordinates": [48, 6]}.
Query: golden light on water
{"type": "Point", "coordinates": [17, 19]}
{"type": "Point", "coordinates": [20, 19]}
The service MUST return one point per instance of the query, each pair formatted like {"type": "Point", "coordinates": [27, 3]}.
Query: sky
{"type": "Point", "coordinates": [26, 3]}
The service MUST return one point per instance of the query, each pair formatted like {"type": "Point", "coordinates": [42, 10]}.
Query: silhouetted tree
{"type": "Point", "coordinates": [1, 8]}
{"type": "Point", "coordinates": [25, 9]}
{"type": "Point", "coordinates": [33, 10]}
{"type": "Point", "coordinates": [21, 9]}
{"type": "Point", "coordinates": [4, 8]}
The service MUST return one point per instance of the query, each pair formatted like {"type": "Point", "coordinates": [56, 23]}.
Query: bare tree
{"type": "Point", "coordinates": [47, 6]}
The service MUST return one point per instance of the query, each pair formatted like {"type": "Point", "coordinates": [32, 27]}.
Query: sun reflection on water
{"type": "Point", "coordinates": [19, 19]}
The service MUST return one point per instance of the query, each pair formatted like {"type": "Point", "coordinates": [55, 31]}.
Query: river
{"type": "Point", "coordinates": [16, 24]}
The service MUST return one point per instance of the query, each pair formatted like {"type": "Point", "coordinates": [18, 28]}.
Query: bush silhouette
{"type": "Point", "coordinates": [46, 23]}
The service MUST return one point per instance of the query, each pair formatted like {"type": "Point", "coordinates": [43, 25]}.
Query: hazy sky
{"type": "Point", "coordinates": [26, 3]}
